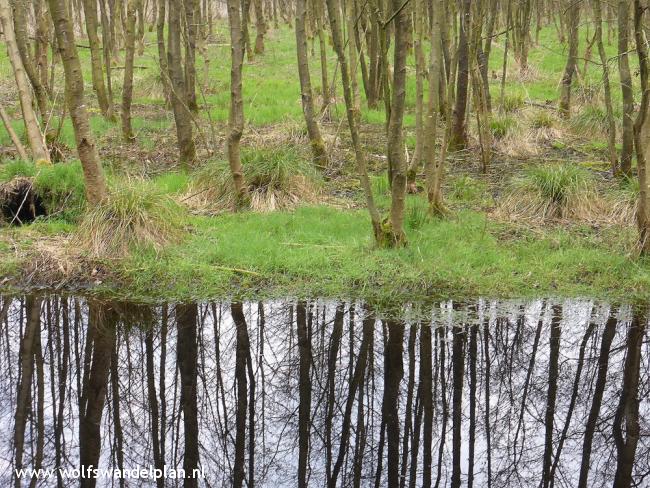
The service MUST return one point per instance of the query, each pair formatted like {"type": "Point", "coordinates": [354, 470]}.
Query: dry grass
{"type": "Point", "coordinates": [278, 178]}
{"type": "Point", "coordinates": [15, 186]}
{"type": "Point", "coordinates": [136, 214]}
{"type": "Point", "coordinates": [563, 193]}
{"type": "Point", "coordinates": [530, 134]}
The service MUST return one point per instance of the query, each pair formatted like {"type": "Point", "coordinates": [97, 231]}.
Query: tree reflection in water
{"type": "Point", "coordinates": [317, 393]}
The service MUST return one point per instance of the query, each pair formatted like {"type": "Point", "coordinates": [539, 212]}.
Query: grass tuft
{"type": "Point", "coordinates": [465, 189]}
{"type": "Point", "coordinates": [501, 125]}
{"type": "Point", "coordinates": [512, 103]}
{"type": "Point", "coordinates": [137, 214]}
{"type": "Point", "coordinates": [590, 119]}
{"type": "Point", "coordinates": [542, 120]}
{"type": "Point", "coordinates": [561, 191]}
{"type": "Point", "coordinates": [277, 178]}
{"type": "Point", "coordinates": [417, 213]}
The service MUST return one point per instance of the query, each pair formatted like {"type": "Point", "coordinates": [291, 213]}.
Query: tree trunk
{"type": "Point", "coordinates": [394, 235]}
{"type": "Point", "coordinates": [458, 363]}
{"type": "Point", "coordinates": [434, 167]}
{"type": "Point", "coordinates": [322, 44]}
{"type": "Point", "coordinates": [90, 14]}
{"type": "Point", "coordinates": [34, 134]}
{"type": "Point", "coordinates": [21, 23]}
{"type": "Point", "coordinates": [108, 40]}
{"type": "Point", "coordinates": [317, 144]}
{"type": "Point", "coordinates": [459, 129]}
{"type": "Point", "coordinates": [242, 349]}
{"type": "Point", "coordinates": [96, 189]}
{"type": "Point", "coordinates": [304, 407]}
{"type": "Point", "coordinates": [521, 33]}
{"type": "Point", "coordinates": [426, 381]}
{"type": "Point", "coordinates": [191, 7]}
{"type": "Point", "coordinates": [260, 26]}
{"type": "Point", "coordinates": [332, 357]}
{"type": "Point", "coordinates": [360, 157]}
{"type": "Point", "coordinates": [596, 402]}
{"type": "Point", "coordinates": [41, 44]}
{"type": "Point", "coordinates": [553, 374]}
{"type": "Point", "coordinates": [236, 116]}
{"type": "Point", "coordinates": [23, 396]}
{"type": "Point", "coordinates": [611, 124]}
{"type": "Point", "coordinates": [642, 135]}
{"type": "Point", "coordinates": [20, 149]}
{"type": "Point", "coordinates": [626, 87]}
{"type": "Point", "coordinates": [127, 86]}
{"type": "Point", "coordinates": [420, 77]}
{"type": "Point", "coordinates": [162, 52]}
{"type": "Point", "coordinates": [390, 413]}
{"type": "Point", "coordinates": [102, 319]}
{"type": "Point", "coordinates": [153, 405]}
{"type": "Point", "coordinates": [572, 59]}
{"type": "Point", "coordinates": [182, 115]}
{"type": "Point", "coordinates": [626, 418]}
{"type": "Point", "coordinates": [187, 351]}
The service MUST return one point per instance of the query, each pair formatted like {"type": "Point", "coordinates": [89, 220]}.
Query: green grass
{"type": "Point", "coordinates": [501, 125]}
{"type": "Point", "coordinates": [592, 119]}
{"type": "Point", "coordinates": [60, 186]}
{"type": "Point", "coordinates": [559, 182]}
{"type": "Point", "coordinates": [172, 183]}
{"type": "Point", "coordinates": [320, 251]}
{"type": "Point", "coordinates": [277, 177]}
{"type": "Point", "coordinates": [325, 251]}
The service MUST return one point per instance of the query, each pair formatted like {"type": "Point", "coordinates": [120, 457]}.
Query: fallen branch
{"type": "Point", "coordinates": [236, 270]}
{"type": "Point", "coordinates": [135, 66]}
{"type": "Point", "coordinates": [541, 105]}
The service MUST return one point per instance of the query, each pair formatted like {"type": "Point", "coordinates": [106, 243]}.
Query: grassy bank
{"type": "Point", "coordinates": [324, 251]}
{"type": "Point", "coordinates": [324, 247]}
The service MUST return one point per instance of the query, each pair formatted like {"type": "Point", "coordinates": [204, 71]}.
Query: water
{"type": "Point", "coordinates": [318, 393]}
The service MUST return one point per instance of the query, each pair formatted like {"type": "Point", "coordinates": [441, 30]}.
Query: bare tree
{"type": "Point", "coordinates": [304, 409]}
{"type": "Point", "coordinates": [642, 133]}
{"type": "Point", "coordinates": [236, 114]}
{"type": "Point", "coordinates": [186, 319]}
{"type": "Point", "coordinates": [34, 134]}
{"type": "Point", "coordinates": [573, 11]}
{"type": "Point", "coordinates": [96, 189]}
{"type": "Point", "coordinates": [127, 86]}
{"type": "Point", "coordinates": [607, 90]}
{"type": "Point", "coordinates": [242, 351]}
{"type": "Point", "coordinates": [626, 418]}
{"type": "Point", "coordinates": [96, 62]}
{"type": "Point", "coordinates": [315, 138]}
{"type": "Point", "coordinates": [178, 87]}
{"type": "Point", "coordinates": [393, 227]}
{"type": "Point", "coordinates": [627, 148]}
{"type": "Point", "coordinates": [459, 131]}
{"type": "Point", "coordinates": [97, 365]}
{"type": "Point", "coordinates": [360, 156]}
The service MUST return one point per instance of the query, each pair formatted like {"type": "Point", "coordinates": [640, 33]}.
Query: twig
{"type": "Point", "coordinates": [237, 270]}
{"type": "Point", "coordinates": [305, 244]}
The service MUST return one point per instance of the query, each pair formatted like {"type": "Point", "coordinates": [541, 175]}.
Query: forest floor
{"type": "Point", "coordinates": [322, 245]}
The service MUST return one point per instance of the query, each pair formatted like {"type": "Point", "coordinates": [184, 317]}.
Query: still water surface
{"type": "Point", "coordinates": [320, 393]}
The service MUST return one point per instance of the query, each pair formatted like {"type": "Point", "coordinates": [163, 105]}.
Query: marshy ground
{"type": "Point", "coordinates": [547, 218]}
